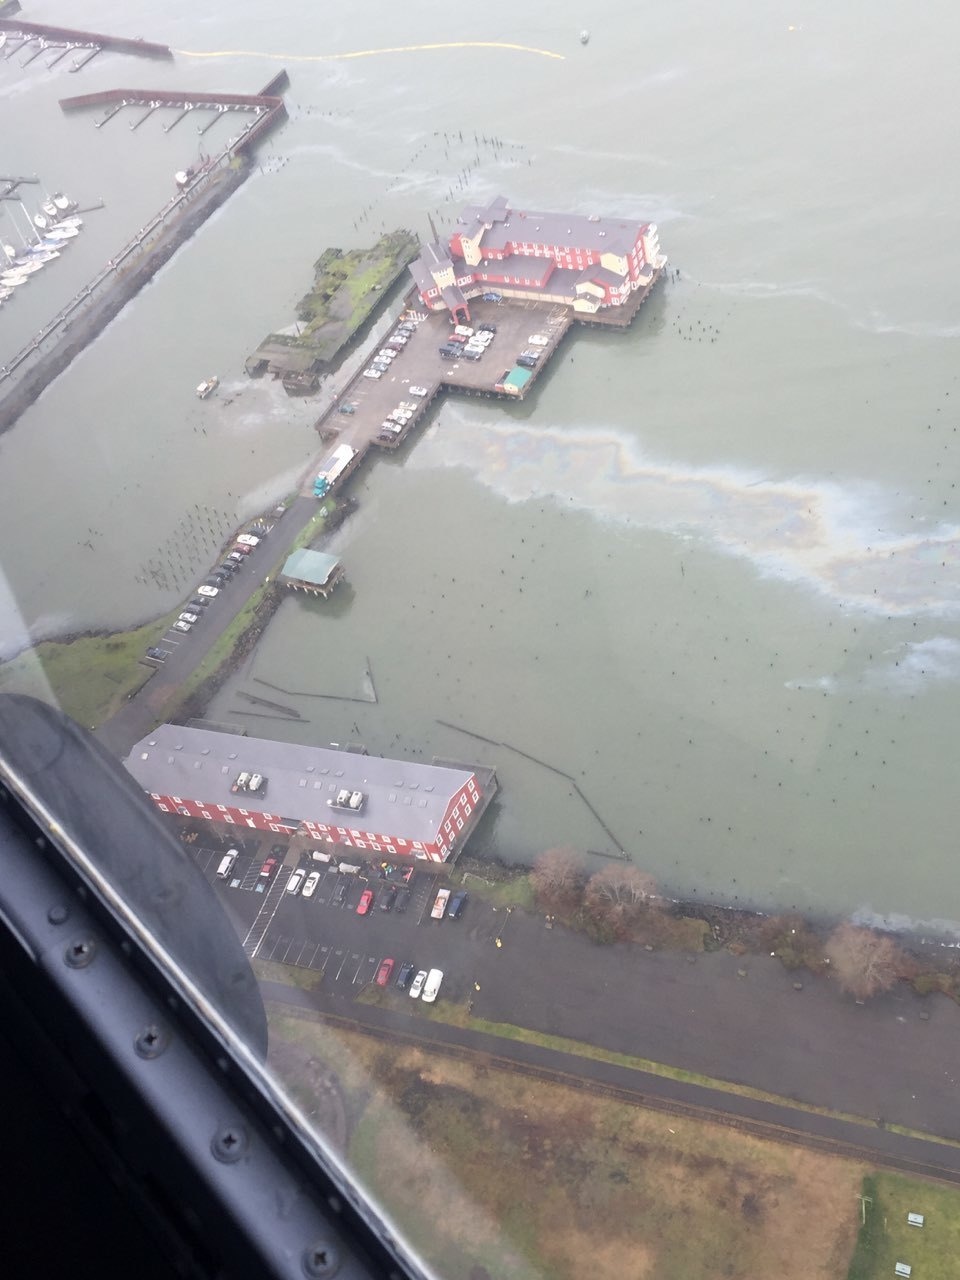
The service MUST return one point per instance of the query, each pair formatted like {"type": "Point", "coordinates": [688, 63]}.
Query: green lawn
{"type": "Point", "coordinates": [885, 1239]}
{"type": "Point", "coordinates": [89, 677]}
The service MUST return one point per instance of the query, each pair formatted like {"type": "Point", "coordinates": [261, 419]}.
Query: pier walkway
{"type": "Point", "coordinates": [358, 414]}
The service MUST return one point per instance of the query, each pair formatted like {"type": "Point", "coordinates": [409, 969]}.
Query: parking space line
{"type": "Point", "coordinates": [342, 963]}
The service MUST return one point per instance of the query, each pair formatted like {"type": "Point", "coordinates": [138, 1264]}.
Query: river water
{"type": "Point", "coordinates": [710, 570]}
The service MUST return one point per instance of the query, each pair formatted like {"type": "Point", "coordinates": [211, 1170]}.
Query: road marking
{"type": "Point", "coordinates": [342, 963]}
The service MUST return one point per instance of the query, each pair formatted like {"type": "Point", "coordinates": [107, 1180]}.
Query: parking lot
{"type": "Point", "coordinates": [332, 939]}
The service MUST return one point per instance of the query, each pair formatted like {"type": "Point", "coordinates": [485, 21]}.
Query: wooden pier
{"type": "Point", "coordinates": [67, 38]}
{"type": "Point", "coordinates": [360, 415]}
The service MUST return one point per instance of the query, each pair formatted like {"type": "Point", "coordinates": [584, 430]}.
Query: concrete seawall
{"type": "Point", "coordinates": [112, 297]}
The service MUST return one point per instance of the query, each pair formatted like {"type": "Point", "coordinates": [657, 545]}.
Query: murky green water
{"type": "Point", "coordinates": [710, 571]}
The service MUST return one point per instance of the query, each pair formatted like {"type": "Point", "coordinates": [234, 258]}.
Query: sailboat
{"type": "Point", "coordinates": [63, 233]}
{"type": "Point", "coordinates": [40, 221]}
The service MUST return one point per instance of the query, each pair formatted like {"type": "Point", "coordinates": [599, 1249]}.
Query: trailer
{"type": "Point", "coordinates": [333, 469]}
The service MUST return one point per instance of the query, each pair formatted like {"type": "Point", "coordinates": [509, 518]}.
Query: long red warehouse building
{"type": "Point", "coordinates": [404, 808]}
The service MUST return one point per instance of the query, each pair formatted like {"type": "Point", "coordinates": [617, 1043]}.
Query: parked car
{"type": "Point", "coordinates": [417, 985]}
{"type": "Point", "coordinates": [295, 881]}
{"type": "Point", "coordinates": [456, 339]}
{"type": "Point", "coordinates": [372, 373]}
{"type": "Point", "coordinates": [403, 898]}
{"type": "Point", "coordinates": [365, 903]}
{"type": "Point", "coordinates": [538, 340]}
{"type": "Point", "coordinates": [492, 296]}
{"type": "Point", "coordinates": [268, 868]}
{"type": "Point", "coordinates": [486, 328]}
{"type": "Point", "coordinates": [418, 391]}
{"type": "Point", "coordinates": [226, 864]}
{"type": "Point", "coordinates": [190, 617]}
{"type": "Point", "coordinates": [471, 353]}
{"type": "Point", "coordinates": [339, 894]}
{"type": "Point", "coordinates": [431, 987]}
{"type": "Point", "coordinates": [310, 884]}
{"type": "Point", "coordinates": [242, 549]}
{"type": "Point", "coordinates": [403, 977]}
{"type": "Point", "coordinates": [526, 362]}
{"type": "Point", "coordinates": [388, 899]}
{"type": "Point", "coordinates": [181, 626]}
{"type": "Point", "coordinates": [384, 972]}
{"type": "Point", "coordinates": [158, 655]}
{"type": "Point", "coordinates": [248, 540]}
{"type": "Point", "coordinates": [198, 602]}
{"type": "Point", "coordinates": [457, 903]}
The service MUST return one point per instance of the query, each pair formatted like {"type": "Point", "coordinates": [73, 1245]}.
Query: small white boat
{"type": "Point", "coordinates": [63, 233]}
{"type": "Point", "coordinates": [13, 279]}
{"type": "Point", "coordinates": [63, 203]}
{"type": "Point", "coordinates": [208, 385]}
{"type": "Point", "coordinates": [29, 268]}
{"type": "Point", "coordinates": [70, 222]}
{"type": "Point", "coordinates": [47, 255]}
{"type": "Point", "coordinates": [50, 209]}
{"type": "Point", "coordinates": [40, 221]}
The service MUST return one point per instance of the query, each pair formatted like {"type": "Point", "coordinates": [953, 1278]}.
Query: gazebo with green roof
{"type": "Point", "coordinates": [315, 572]}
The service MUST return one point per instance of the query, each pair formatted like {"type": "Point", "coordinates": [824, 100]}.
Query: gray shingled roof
{"type": "Point", "coordinates": [403, 798]}
{"type": "Point", "coordinates": [567, 230]}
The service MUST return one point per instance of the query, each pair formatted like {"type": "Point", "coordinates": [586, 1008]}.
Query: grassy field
{"type": "Point", "coordinates": [551, 1182]}
{"type": "Point", "coordinates": [885, 1239]}
{"type": "Point", "coordinates": [89, 677]}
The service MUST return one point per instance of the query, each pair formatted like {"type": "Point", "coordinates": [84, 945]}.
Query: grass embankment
{"type": "Point", "coordinates": [548, 1180]}
{"type": "Point", "coordinates": [885, 1238]}
{"type": "Point", "coordinates": [89, 677]}
{"type": "Point", "coordinates": [273, 971]}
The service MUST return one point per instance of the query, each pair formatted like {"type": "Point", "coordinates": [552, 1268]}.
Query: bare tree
{"type": "Point", "coordinates": [864, 962]}
{"type": "Point", "coordinates": [617, 897]}
{"type": "Point", "coordinates": [557, 880]}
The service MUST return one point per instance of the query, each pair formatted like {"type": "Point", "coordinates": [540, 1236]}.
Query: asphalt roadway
{"type": "Point", "coordinates": [876, 1145]}
{"type": "Point", "coordinates": [147, 707]}
{"type": "Point", "coordinates": [882, 1061]}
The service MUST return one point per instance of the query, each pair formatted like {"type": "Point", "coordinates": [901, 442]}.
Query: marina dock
{"type": "Point", "coordinates": [200, 190]}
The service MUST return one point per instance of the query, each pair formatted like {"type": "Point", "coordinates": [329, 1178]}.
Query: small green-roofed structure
{"type": "Point", "coordinates": [516, 380]}
{"type": "Point", "coordinates": [315, 572]}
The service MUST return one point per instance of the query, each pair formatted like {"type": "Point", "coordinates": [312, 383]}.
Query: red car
{"type": "Point", "coordinates": [384, 972]}
{"type": "Point", "coordinates": [266, 871]}
{"type": "Point", "coordinates": [365, 903]}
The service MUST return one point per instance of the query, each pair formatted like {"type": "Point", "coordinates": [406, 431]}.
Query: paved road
{"type": "Point", "coordinates": [880, 1060]}
{"type": "Point", "coordinates": [877, 1145]}
{"type": "Point", "coordinates": [147, 707]}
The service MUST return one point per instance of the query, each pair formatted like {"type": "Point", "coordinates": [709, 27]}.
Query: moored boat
{"type": "Point", "coordinates": [208, 385]}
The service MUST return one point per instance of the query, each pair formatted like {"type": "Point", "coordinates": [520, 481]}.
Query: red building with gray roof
{"type": "Point", "coordinates": [586, 262]}
{"type": "Point", "coordinates": [367, 803]}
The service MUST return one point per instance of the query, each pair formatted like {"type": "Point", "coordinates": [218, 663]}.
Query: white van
{"type": "Point", "coordinates": [463, 331]}
{"type": "Point", "coordinates": [226, 864]}
{"type": "Point", "coordinates": [432, 986]}
{"type": "Point", "coordinates": [350, 868]}
{"type": "Point", "coordinates": [318, 855]}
